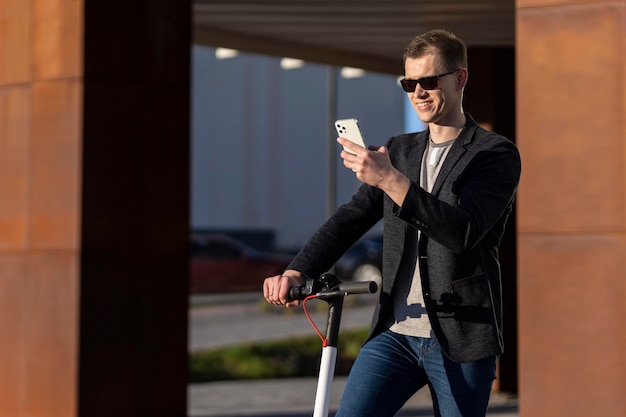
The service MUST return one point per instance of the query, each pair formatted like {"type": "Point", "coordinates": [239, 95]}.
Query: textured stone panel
{"type": "Point", "coordinates": [15, 41]}
{"type": "Point", "coordinates": [13, 312]}
{"type": "Point", "coordinates": [56, 164]}
{"type": "Point", "coordinates": [571, 298]}
{"type": "Point", "coordinates": [57, 33]}
{"type": "Point", "coordinates": [14, 166]}
{"type": "Point", "coordinates": [571, 86]}
{"type": "Point", "coordinates": [51, 335]}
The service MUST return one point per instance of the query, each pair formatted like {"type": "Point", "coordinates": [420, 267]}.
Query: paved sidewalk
{"type": "Point", "coordinates": [222, 320]}
{"type": "Point", "coordinates": [296, 397]}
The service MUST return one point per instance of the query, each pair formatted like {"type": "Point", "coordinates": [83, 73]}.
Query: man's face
{"type": "Point", "coordinates": [436, 105]}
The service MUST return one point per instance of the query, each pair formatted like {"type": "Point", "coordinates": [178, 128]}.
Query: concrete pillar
{"type": "Point", "coordinates": [571, 84]}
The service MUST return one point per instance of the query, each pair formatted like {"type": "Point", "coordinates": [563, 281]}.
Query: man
{"type": "Point", "coordinates": [445, 195]}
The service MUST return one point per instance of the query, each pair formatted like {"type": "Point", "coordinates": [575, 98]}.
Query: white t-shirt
{"type": "Point", "coordinates": [408, 304]}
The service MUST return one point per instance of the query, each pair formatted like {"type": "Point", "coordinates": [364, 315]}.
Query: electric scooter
{"type": "Point", "coordinates": [328, 288]}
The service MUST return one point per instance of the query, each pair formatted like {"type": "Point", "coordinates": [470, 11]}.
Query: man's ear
{"type": "Point", "coordinates": [461, 78]}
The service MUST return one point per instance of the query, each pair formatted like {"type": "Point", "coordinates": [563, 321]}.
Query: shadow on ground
{"type": "Point", "coordinates": [494, 410]}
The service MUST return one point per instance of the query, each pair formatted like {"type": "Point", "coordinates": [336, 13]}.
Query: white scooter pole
{"type": "Point", "coordinates": [325, 381]}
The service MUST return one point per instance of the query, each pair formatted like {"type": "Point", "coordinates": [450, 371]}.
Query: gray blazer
{"type": "Point", "coordinates": [461, 224]}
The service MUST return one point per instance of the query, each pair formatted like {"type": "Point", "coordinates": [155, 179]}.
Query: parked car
{"type": "Point", "coordinates": [363, 261]}
{"type": "Point", "coordinates": [220, 263]}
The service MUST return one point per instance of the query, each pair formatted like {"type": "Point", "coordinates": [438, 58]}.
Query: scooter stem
{"type": "Point", "coordinates": [329, 356]}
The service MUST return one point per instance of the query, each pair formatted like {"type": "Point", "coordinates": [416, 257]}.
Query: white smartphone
{"type": "Point", "coordinates": [349, 129]}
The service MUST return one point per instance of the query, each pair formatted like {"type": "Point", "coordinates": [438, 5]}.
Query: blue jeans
{"type": "Point", "coordinates": [392, 367]}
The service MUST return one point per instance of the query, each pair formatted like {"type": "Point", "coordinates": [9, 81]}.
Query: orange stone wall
{"type": "Point", "coordinates": [40, 158]}
{"type": "Point", "coordinates": [571, 123]}
{"type": "Point", "coordinates": [94, 150]}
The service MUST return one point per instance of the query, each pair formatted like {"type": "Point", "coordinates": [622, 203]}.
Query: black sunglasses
{"type": "Point", "coordinates": [427, 83]}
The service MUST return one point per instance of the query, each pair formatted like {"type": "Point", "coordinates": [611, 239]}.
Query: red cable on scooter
{"type": "Point", "coordinates": [324, 340]}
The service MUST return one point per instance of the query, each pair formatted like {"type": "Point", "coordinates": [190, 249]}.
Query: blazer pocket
{"type": "Point", "coordinates": [474, 304]}
{"type": "Point", "coordinates": [472, 289]}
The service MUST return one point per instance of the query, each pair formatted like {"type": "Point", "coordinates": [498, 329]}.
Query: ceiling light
{"type": "Point", "coordinates": [349, 72]}
{"type": "Point", "coordinates": [291, 63]}
{"type": "Point", "coordinates": [225, 53]}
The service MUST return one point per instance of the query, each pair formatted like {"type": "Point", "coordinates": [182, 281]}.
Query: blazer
{"type": "Point", "coordinates": [461, 221]}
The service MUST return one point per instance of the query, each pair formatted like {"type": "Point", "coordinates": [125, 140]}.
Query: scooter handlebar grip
{"type": "Point", "coordinates": [298, 292]}
{"type": "Point", "coordinates": [358, 287]}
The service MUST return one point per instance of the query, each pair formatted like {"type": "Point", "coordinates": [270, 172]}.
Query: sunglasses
{"type": "Point", "coordinates": [427, 83]}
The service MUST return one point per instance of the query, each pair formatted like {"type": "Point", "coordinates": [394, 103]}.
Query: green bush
{"type": "Point", "coordinates": [298, 357]}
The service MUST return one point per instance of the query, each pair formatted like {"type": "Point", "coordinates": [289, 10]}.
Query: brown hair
{"type": "Point", "coordinates": [452, 49]}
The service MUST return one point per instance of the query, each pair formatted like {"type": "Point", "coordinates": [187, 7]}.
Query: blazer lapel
{"type": "Point", "coordinates": [454, 155]}
{"type": "Point", "coordinates": [414, 161]}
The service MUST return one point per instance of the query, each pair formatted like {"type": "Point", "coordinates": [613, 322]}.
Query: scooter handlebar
{"type": "Point", "coordinates": [358, 287]}
{"type": "Point", "coordinates": [300, 292]}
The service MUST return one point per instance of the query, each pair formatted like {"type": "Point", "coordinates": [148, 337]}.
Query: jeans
{"type": "Point", "coordinates": [392, 367]}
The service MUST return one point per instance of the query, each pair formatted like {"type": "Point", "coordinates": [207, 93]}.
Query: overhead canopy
{"type": "Point", "coordinates": [368, 34]}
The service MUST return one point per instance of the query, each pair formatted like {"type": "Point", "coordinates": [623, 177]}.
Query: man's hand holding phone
{"type": "Point", "coordinates": [349, 129]}
{"type": "Point", "coordinates": [372, 165]}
